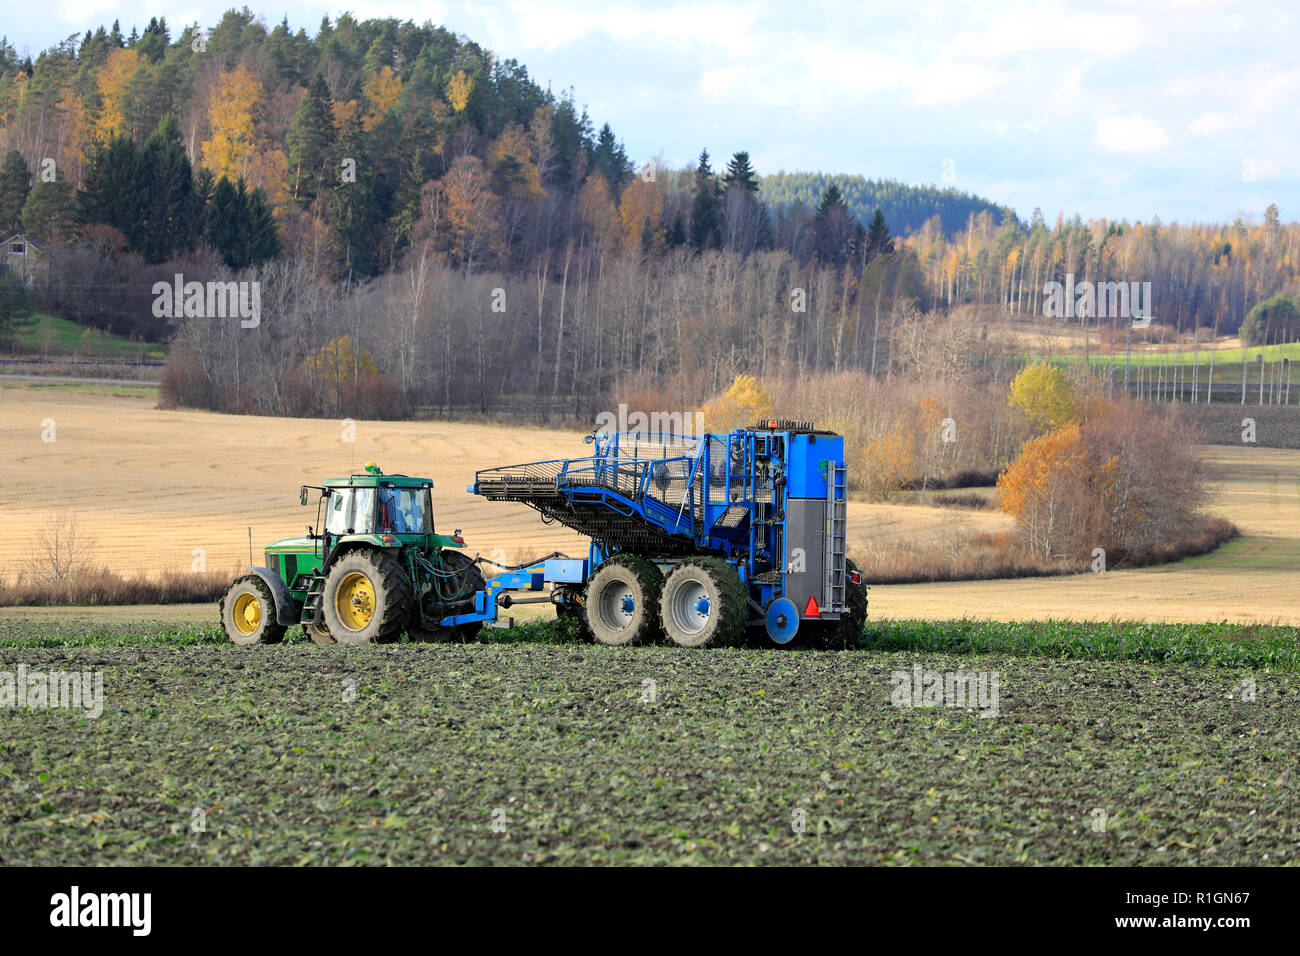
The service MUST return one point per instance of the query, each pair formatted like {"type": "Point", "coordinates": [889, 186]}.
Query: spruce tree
{"type": "Point", "coordinates": [172, 211]}
{"type": "Point", "coordinates": [49, 214]}
{"type": "Point", "coordinates": [611, 160]}
{"type": "Point", "coordinates": [740, 171]}
{"type": "Point", "coordinates": [15, 184]}
{"type": "Point", "coordinates": [706, 210]}
{"type": "Point", "coordinates": [311, 141]}
{"type": "Point", "coordinates": [878, 241]}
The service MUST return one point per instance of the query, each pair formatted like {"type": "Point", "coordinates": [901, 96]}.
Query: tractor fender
{"type": "Point", "coordinates": [284, 606]}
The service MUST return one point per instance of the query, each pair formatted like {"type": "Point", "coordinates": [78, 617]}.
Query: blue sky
{"type": "Point", "coordinates": [1186, 109]}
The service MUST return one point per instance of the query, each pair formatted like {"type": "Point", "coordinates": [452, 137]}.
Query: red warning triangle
{"type": "Point", "coordinates": [811, 609]}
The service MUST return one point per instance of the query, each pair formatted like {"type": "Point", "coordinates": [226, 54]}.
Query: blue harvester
{"type": "Point", "coordinates": [699, 538]}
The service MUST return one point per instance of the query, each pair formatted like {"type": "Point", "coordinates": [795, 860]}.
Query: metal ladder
{"type": "Point", "coordinates": [314, 613]}
{"type": "Point", "coordinates": [836, 535]}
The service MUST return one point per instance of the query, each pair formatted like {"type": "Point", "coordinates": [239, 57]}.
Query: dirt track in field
{"type": "Point", "coordinates": [156, 485]}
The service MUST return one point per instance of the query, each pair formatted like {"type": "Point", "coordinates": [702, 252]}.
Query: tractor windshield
{"type": "Point", "coordinates": [379, 511]}
{"type": "Point", "coordinates": [404, 511]}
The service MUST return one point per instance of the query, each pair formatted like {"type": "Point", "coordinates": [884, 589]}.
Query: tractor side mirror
{"type": "Point", "coordinates": [302, 495]}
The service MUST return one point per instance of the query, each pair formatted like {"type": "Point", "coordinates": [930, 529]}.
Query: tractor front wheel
{"type": "Point", "coordinates": [248, 613]}
{"type": "Point", "coordinates": [367, 598]}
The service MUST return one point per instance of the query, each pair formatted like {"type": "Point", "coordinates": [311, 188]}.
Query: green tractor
{"type": "Point", "coordinates": [371, 569]}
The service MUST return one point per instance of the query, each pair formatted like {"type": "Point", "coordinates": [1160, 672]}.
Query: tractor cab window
{"type": "Point", "coordinates": [338, 511]}
{"type": "Point", "coordinates": [404, 511]}
{"type": "Point", "coordinates": [350, 511]}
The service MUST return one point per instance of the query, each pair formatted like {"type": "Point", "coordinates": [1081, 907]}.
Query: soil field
{"type": "Point", "coordinates": [513, 754]}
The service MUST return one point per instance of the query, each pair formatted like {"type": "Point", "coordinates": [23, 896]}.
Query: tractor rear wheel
{"type": "Point", "coordinates": [468, 580]}
{"type": "Point", "coordinates": [704, 604]}
{"type": "Point", "coordinates": [367, 598]}
{"type": "Point", "coordinates": [248, 613]}
{"type": "Point", "coordinates": [623, 600]}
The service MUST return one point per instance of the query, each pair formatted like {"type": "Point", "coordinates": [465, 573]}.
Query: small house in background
{"type": "Point", "coordinates": [22, 257]}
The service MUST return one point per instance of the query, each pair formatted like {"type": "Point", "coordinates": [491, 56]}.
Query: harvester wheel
{"type": "Point", "coordinates": [367, 598]}
{"type": "Point", "coordinates": [248, 613]}
{"type": "Point", "coordinates": [847, 631]}
{"type": "Point", "coordinates": [703, 604]}
{"type": "Point", "coordinates": [468, 580]}
{"type": "Point", "coordinates": [623, 600]}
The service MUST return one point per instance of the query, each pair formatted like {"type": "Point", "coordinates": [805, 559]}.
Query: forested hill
{"type": "Point", "coordinates": [906, 208]}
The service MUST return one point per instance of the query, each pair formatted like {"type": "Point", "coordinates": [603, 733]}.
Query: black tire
{"type": "Point", "coordinates": [622, 604]}
{"type": "Point", "coordinates": [468, 580]}
{"type": "Point", "coordinates": [248, 613]}
{"type": "Point", "coordinates": [373, 592]}
{"type": "Point", "coordinates": [704, 604]}
{"type": "Point", "coordinates": [847, 631]}
{"type": "Point", "coordinates": [319, 634]}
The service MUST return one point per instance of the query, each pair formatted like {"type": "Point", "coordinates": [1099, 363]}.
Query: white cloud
{"type": "Point", "coordinates": [1213, 122]}
{"type": "Point", "coordinates": [1129, 135]}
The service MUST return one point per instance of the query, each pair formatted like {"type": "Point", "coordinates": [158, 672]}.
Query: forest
{"type": "Point", "coordinates": [434, 233]}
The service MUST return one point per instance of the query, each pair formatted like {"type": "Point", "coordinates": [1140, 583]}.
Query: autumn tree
{"type": "Point", "coordinates": [744, 403]}
{"type": "Point", "coordinates": [640, 211]}
{"type": "Point", "coordinates": [471, 211]}
{"type": "Point", "coordinates": [232, 115]}
{"type": "Point", "coordinates": [1043, 393]}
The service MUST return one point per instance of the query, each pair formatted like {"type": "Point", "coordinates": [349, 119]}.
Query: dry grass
{"type": "Point", "coordinates": [103, 586]}
{"type": "Point", "coordinates": [155, 485]}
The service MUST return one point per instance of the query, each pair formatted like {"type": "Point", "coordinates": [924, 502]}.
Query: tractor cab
{"type": "Point", "coordinates": [383, 508]}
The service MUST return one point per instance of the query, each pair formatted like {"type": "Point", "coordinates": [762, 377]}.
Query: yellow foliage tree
{"type": "Point", "coordinates": [886, 461]}
{"type": "Point", "coordinates": [512, 155]}
{"type": "Point", "coordinates": [232, 117]}
{"type": "Point", "coordinates": [459, 87]}
{"type": "Point", "coordinates": [596, 209]}
{"type": "Point", "coordinates": [382, 91]}
{"type": "Point", "coordinates": [743, 403]}
{"type": "Point", "coordinates": [114, 86]}
{"type": "Point", "coordinates": [1044, 394]}
{"type": "Point", "coordinates": [641, 208]}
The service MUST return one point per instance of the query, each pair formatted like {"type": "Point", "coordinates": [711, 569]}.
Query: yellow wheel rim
{"type": "Point", "coordinates": [355, 601]}
{"type": "Point", "coordinates": [247, 613]}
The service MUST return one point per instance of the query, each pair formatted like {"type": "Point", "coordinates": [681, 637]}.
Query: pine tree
{"type": "Point", "coordinates": [676, 232]}
{"type": "Point", "coordinates": [611, 161]}
{"type": "Point", "coordinates": [171, 213]}
{"type": "Point", "coordinates": [878, 241]}
{"type": "Point", "coordinates": [15, 184]}
{"type": "Point", "coordinates": [114, 191]}
{"type": "Point", "coordinates": [706, 210]}
{"type": "Point", "coordinates": [311, 141]}
{"type": "Point", "coordinates": [153, 43]}
{"type": "Point", "coordinates": [49, 215]}
{"type": "Point", "coordinates": [740, 171]}
{"type": "Point", "coordinates": [223, 223]}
